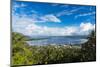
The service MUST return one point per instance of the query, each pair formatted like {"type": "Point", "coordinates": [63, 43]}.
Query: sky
{"type": "Point", "coordinates": [52, 19]}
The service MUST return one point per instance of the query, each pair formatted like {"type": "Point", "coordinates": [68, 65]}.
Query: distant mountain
{"type": "Point", "coordinates": [46, 37]}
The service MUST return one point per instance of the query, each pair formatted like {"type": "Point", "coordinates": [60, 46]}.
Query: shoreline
{"type": "Point", "coordinates": [58, 46]}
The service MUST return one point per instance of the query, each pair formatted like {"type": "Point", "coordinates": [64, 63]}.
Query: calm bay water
{"type": "Point", "coordinates": [59, 40]}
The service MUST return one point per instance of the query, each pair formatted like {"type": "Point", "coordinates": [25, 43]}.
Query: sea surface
{"type": "Point", "coordinates": [59, 40]}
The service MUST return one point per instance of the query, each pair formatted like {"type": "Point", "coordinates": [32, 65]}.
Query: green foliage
{"type": "Point", "coordinates": [89, 48]}
{"type": "Point", "coordinates": [24, 54]}
{"type": "Point", "coordinates": [20, 50]}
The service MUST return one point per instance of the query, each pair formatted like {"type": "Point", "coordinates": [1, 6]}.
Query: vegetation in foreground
{"type": "Point", "coordinates": [24, 54]}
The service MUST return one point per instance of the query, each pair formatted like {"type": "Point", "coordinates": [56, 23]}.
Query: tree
{"type": "Point", "coordinates": [21, 53]}
{"type": "Point", "coordinates": [89, 48]}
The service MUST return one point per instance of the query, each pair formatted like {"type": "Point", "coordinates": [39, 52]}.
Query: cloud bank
{"type": "Point", "coordinates": [85, 14]}
{"type": "Point", "coordinates": [27, 24]}
{"type": "Point", "coordinates": [28, 27]}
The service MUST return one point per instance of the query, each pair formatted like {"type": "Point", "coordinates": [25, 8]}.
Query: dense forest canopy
{"type": "Point", "coordinates": [24, 54]}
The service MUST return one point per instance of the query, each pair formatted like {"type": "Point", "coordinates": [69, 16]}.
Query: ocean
{"type": "Point", "coordinates": [59, 40]}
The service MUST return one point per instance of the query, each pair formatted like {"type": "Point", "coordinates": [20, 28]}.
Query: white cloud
{"type": "Point", "coordinates": [19, 5]}
{"type": "Point", "coordinates": [83, 29]}
{"type": "Point", "coordinates": [49, 31]}
{"type": "Point", "coordinates": [50, 18]}
{"type": "Point", "coordinates": [44, 18]}
{"type": "Point", "coordinates": [86, 26]}
{"type": "Point", "coordinates": [71, 30]}
{"type": "Point", "coordinates": [55, 4]}
{"type": "Point", "coordinates": [28, 26]}
{"type": "Point", "coordinates": [65, 6]}
{"type": "Point", "coordinates": [85, 14]}
{"type": "Point", "coordinates": [67, 12]}
{"type": "Point", "coordinates": [36, 17]}
{"type": "Point", "coordinates": [62, 5]}
{"type": "Point", "coordinates": [15, 6]}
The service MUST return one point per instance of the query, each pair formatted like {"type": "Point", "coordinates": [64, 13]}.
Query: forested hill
{"type": "Point", "coordinates": [24, 54]}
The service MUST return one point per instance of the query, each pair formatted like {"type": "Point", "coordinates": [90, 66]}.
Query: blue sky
{"type": "Point", "coordinates": [36, 18]}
